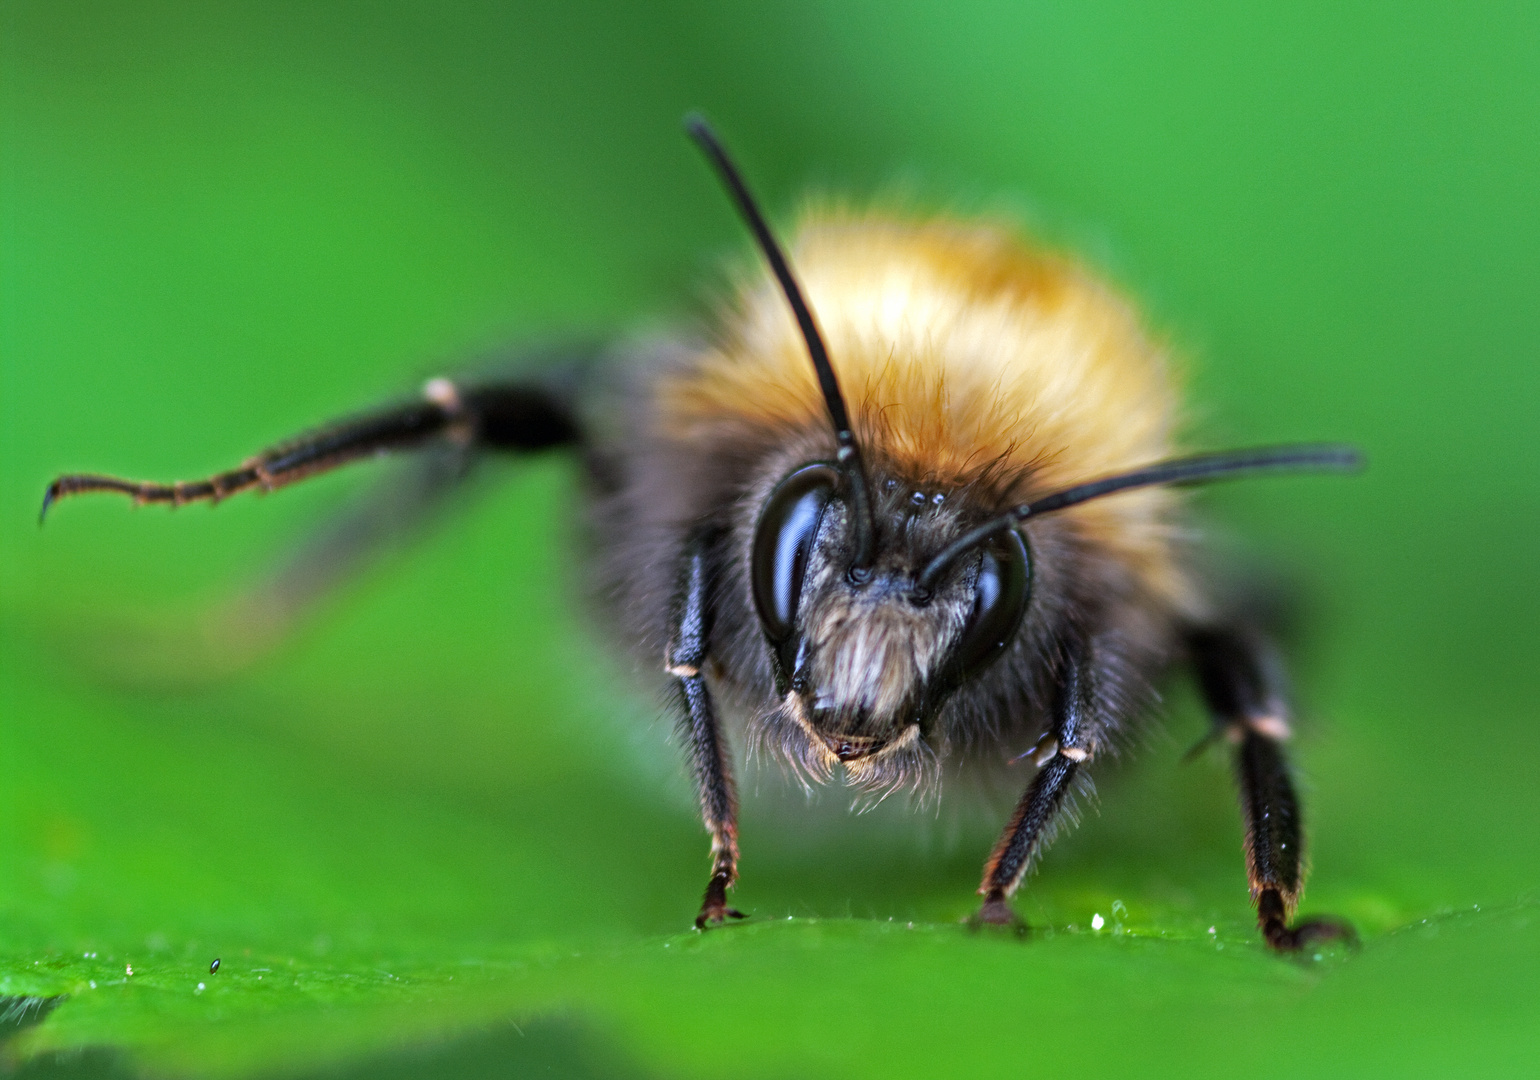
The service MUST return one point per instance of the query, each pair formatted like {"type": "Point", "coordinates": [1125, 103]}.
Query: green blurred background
{"type": "Point", "coordinates": [441, 832]}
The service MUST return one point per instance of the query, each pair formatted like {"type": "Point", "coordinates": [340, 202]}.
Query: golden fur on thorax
{"type": "Point", "coordinates": [964, 355]}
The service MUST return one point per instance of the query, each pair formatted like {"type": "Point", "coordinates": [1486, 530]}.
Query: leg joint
{"type": "Point", "coordinates": [1047, 748]}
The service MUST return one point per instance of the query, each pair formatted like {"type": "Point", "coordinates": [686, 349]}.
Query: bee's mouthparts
{"type": "Point", "coordinates": [851, 747]}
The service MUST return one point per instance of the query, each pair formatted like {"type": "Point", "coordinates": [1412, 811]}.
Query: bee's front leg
{"type": "Point", "coordinates": [1061, 754]}
{"type": "Point", "coordinates": [687, 652]}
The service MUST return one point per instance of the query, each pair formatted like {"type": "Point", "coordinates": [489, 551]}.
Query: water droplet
{"type": "Point", "coordinates": [93, 984]}
{"type": "Point", "coordinates": [1097, 922]}
{"type": "Point", "coordinates": [199, 990]}
{"type": "Point", "coordinates": [1118, 910]}
{"type": "Point", "coordinates": [128, 969]}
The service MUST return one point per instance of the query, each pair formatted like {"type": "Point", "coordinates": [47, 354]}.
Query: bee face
{"type": "Point", "coordinates": [864, 657]}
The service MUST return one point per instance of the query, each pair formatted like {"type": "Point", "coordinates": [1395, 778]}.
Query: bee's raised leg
{"type": "Point", "coordinates": [493, 415]}
{"type": "Point", "coordinates": [506, 417]}
{"type": "Point", "coordinates": [1061, 754]}
{"type": "Point", "coordinates": [1242, 685]}
{"type": "Point", "coordinates": [449, 429]}
{"type": "Point", "coordinates": [687, 652]}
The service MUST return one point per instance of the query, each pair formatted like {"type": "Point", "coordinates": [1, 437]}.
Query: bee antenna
{"type": "Point", "coordinates": [1201, 469]}
{"type": "Point", "coordinates": [849, 454]}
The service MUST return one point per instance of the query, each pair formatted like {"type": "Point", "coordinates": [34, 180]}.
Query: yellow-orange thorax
{"type": "Point", "coordinates": [959, 349]}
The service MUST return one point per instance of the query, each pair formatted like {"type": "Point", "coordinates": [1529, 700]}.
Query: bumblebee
{"type": "Point", "coordinates": [954, 531]}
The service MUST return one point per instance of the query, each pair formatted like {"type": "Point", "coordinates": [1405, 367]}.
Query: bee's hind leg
{"type": "Point", "coordinates": [491, 415]}
{"type": "Point", "coordinates": [495, 418]}
{"type": "Point", "coordinates": [444, 434]}
{"type": "Point", "coordinates": [1241, 683]}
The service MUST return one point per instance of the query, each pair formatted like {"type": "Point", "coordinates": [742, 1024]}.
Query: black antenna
{"type": "Point", "coordinates": [849, 455]}
{"type": "Point", "coordinates": [1203, 468]}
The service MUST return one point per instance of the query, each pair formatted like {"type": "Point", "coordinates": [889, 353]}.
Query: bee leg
{"type": "Point", "coordinates": [486, 416]}
{"type": "Point", "coordinates": [451, 428]}
{"type": "Point", "coordinates": [1032, 825]}
{"type": "Point", "coordinates": [686, 656]}
{"type": "Point", "coordinates": [1242, 684]}
{"type": "Point", "coordinates": [243, 624]}
{"type": "Point", "coordinates": [503, 417]}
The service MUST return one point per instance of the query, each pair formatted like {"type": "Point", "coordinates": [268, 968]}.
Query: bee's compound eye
{"type": "Point", "coordinates": [1000, 601]}
{"type": "Point", "coordinates": [783, 541]}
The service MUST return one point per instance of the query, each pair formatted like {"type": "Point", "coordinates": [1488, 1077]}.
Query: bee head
{"type": "Point", "coordinates": [865, 654]}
